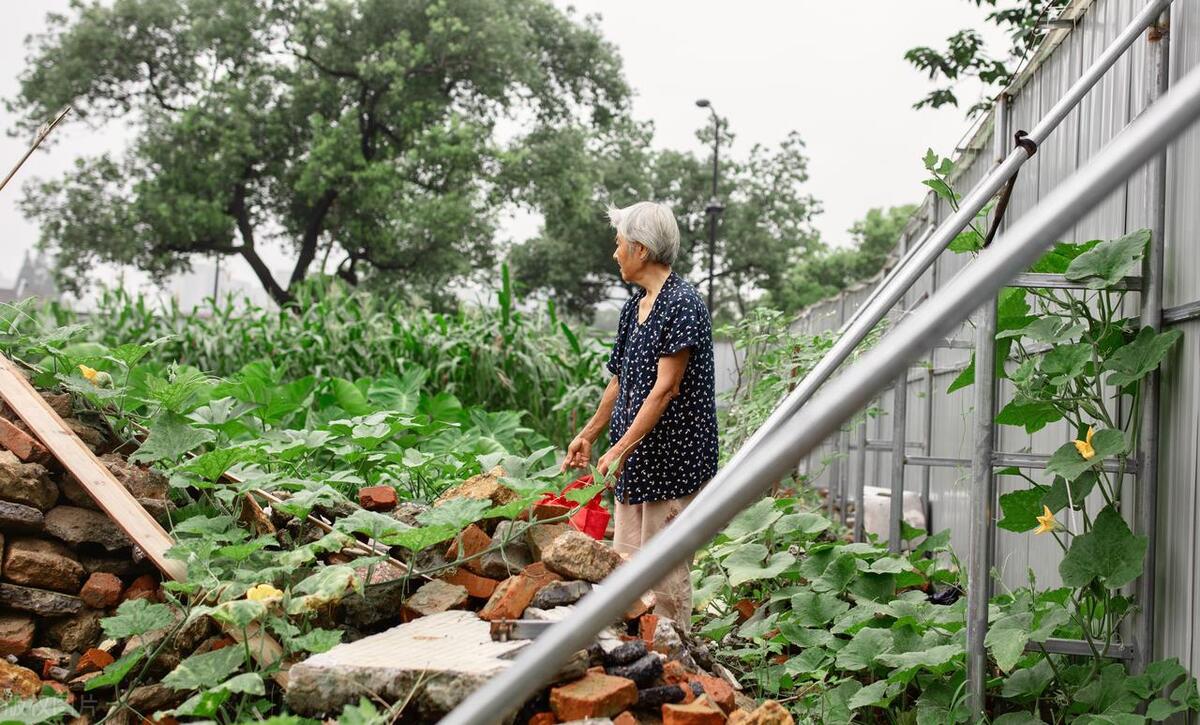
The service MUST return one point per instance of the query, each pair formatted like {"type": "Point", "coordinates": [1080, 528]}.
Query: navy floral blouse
{"type": "Point", "coordinates": [679, 454]}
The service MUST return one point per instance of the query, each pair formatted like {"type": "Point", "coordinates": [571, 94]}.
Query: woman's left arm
{"type": "Point", "coordinates": [666, 389]}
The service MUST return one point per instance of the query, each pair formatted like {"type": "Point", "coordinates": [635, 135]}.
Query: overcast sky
{"type": "Point", "coordinates": [834, 71]}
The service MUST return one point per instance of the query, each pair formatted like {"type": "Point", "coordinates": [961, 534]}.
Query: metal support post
{"type": "Point", "coordinates": [778, 450]}
{"type": "Point", "coordinates": [926, 471]}
{"type": "Point", "coordinates": [860, 477]}
{"type": "Point", "coordinates": [843, 454]}
{"type": "Point", "coordinates": [1151, 316]}
{"type": "Point", "coordinates": [983, 482]}
{"type": "Point", "coordinates": [899, 435]}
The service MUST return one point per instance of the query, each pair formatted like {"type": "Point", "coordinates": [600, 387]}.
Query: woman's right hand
{"type": "Point", "coordinates": [579, 454]}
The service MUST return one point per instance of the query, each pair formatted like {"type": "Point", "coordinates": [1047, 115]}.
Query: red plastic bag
{"type": "Point", "coordinates": [591, 518]}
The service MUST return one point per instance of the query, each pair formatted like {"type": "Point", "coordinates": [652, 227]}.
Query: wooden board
{"type": "Point", "coordinates": [104, 488]}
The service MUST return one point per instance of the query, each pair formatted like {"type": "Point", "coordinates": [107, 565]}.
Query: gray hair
{"type": "Point", "coordinates": [651, 225]}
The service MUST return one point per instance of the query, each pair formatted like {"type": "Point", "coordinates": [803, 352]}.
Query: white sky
{"type": "Point", "coordinates": [834, 71]}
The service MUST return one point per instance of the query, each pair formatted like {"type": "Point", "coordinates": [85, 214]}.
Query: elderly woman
{"type": "Point", "coordinates": [659, 405]}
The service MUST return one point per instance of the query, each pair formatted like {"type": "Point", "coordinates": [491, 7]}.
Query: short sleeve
{"type": "Point", "coordinates": [686, 326]}
{"type": "Point", "coordinates": [618, 349]}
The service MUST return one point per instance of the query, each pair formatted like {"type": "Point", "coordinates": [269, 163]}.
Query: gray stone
{"type": "Point", "coordinates": [42, 563]}
{"type": "Point", "coordinates": [122, 566]}
{"type": "Point", "coordinates": [378, 605]}
{"type": "Point", "coordinates": [514, 556]}
{"type": "Point", "coordinates": [652, 698]}
{"type": "Point", "coordinates": [140, 481]}
{"type": "Point", "coordinates": [77, 633]}
{"type": "Point", "coordinates": [19, 517]}
{"type": "Point", "coordinates": [74, 492]}
{"type": "Point", "coordinates": [149, 699]}
{"type": "Point", "coordinates": [436, 660]}
{"type": "Point", "coordinates": [539, 536]}
{"type": "Point", "coordinates": [575, 555]}
{"type": "Point", "coordinates": [39, 601]}
{"type": "Point", "coordinates": [560, 594]}
{"type": "Point", "coordinates": [643, 671]}
{"type": "Point", "coordinates": [435, 597]}
{"type": "Point", "coordinates": [628, 653]}
{"type": "Point", "coordinates": [669, 641]}
{"type": "Point", "coordinates": [406, 512]}
{"type": "Point", "coordinates": [26, 483]}
{"type": "Point", "coordinates": [77, 526]}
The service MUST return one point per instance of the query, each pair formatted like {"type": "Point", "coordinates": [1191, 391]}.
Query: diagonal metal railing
{"type": "Point", "coordinates": [779, 450]}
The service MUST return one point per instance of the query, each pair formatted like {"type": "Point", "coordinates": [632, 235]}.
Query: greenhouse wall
{"type": "Point", "coordinates": [1104, 112]}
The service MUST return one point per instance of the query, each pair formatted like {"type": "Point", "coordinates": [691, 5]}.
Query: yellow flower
{"type": "Point", "coordinates": [1046, 521]}
{"type": "Point", "coordinates": [264, 593]}
{"type": "Point", "coordinates": [1085, 446]}
{"type": "Point", "coordinates": [89, 373]}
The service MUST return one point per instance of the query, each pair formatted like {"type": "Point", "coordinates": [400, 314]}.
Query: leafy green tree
{"type": "Point", "coordinates": [965, 54]}
{"type": "Point", "coordinates": [361, 131]}
{"type": "Point", "coordinates": [825, 273]}
{"type": "Point", "coordinates": [766, 224]}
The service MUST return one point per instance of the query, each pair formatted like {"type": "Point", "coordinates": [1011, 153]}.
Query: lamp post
{"type": "Point", "coordinates": [714, 208]}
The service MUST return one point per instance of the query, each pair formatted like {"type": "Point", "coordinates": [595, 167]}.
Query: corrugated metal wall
{"type": "Point", "coordinates": [1109, 107]}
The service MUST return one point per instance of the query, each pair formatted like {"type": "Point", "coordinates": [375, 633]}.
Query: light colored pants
{"type": "Point", "coordinates": [636, 524]}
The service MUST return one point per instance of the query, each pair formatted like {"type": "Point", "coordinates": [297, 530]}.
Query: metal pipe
{"type": "Point", "coordinates": [844, 475]}
{"type": "Point", "coordinates": [925, 254]}
{"type": "Point", "coordinates": [899, 433]}
{"type": "Point", "coordinates": [1151, 316]}
{"type": "Point", "coordinates": [926, 471]}
{"type": "Point", "coordinates": [860, 481]}
{"type": "Point", "coordinates": [736, 487]}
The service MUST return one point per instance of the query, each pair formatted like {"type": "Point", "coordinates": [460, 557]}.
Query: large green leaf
{"type": "Point", "coordinates": [1048, 329]}
{"type": "Point", "coordinates": [135, 617]}
{"type": "Point", "coordinates": [1107, 263]}
{"type": "Point", "coordinates": [862, 649]}
{"type": "Point", "coordinates": [456, 512]}
{"type": "Point", "coordinates": [838, 575]}
{"type": "Point", "coordinates": [876, 694]}
{"type": "Point", "coordinates": [171, 436]}
{"type": "Point", "coordinates": [1021, 509]}
{"type": "Point", "coordinates": [1028, 682]}
{"type": "Point", "coordinates": [746, 564]}
{"type": "Point", "coordinates": [1068, 463]}
{"type": "Point", "coordinates": [1134, 361]}
{"type": "Point", "coordinates": [815, 609]}
{"type": "Point", "coordinates": [1033, 415]}
{"type": "Point", "coordinates": [1063, 363]}
{"type": "Point", "coordinates": [205, 670]}
{"type": "Point", "coordinates": [1007, 637]}
{"type": "Point", "coordinates": [349, 398]}
{"type": "Point", "coordinates": [35, 712]}
{"type": "Point", "coordinates": [1109, 553]}
{"type": "Point", "coordinates": [1057, 497]}
{"type": "Point", "coordinates": [808, 524]}
{"type": "Point", "coordinates": [754, 520]}
{"type": "Point", "coordinates": [934, 658]}
{"type": "Point", "coordinates": [115, 672]}
{"type": "Point", "coordinates": [1060, 257]}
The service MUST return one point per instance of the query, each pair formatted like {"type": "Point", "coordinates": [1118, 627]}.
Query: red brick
{"type": "Point", "coordinates": [480, 587]}
{"type": "Point", "coordinates": [675, 673]}
{"type": "Point", "coordinates": [101, 590]}
{"type": "Point", "coordinates": [93, 660]}
{"type": "Point", "coordinates": [718, 691]}
{"type": "Point", "coordinates": [514, 594]}
{"type": "Point", "coordinates": [640, 606]}
{"type": "Point", "coordinates": [543, 718]}
{"type": "Point", "coordinates": [745, 609]}
{"type": "Point", "coordinates": [593, 695]}
{"type": "Point", "coordinates": [647, 624]}
{"type": "Point", "coordinates": [16, 634]}
{"type": "Point", "coordinates": [700, 712]}
{"type": "Point", "coordinates": [540, 575]}
{"type": "Point", "coordinates": [144, 587]}
{"type": "Point", "coordinates": [377, 498]}
{"type": "Point", "coordinates": [625, 718]}
{"type": "Point", "coordinates": [544, 511]}
{"type": "Point", "coordinates": [473, 541]}
{"type": "Point", "coordinates": [23, 445]}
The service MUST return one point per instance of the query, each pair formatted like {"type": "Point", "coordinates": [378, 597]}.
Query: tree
{"type": "Point", "coordinates": [361, 131]}
{"type": "Point", "coordinates": [766, 224]}
{"type": "Point", "coordinates": [827, 272]}
{"type": "Point", "coordinates": [965, 55]}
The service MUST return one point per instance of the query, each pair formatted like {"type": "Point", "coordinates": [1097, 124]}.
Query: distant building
{"type": "Point", "coordinates": [34, 279]}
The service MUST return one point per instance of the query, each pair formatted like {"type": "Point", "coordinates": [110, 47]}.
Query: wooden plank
{"type": "Point", "coordinates": [98, 481]}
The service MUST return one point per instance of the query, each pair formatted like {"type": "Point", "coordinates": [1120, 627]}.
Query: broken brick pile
{"type": "Point", "coordinates": [64, 565]}
{"type": "Point", "coordinates": [643, 669]}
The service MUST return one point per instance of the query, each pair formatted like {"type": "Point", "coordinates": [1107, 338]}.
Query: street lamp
{"type": "Point", "coordinates": [714, 208]}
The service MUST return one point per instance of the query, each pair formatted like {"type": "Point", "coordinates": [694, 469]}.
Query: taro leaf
{"type": "Point", "coordinates": [1028, 682]}
{"type": "Point", "coordinates": [1064, 363]}
{"type": "Point", "coordinates": [838, 575]}
{"type": "Point", "coordinates": [457, 513]}
{"type": "Point", "coordinates": [205, 670]}
{"type": "Point", "coordinates": [1007, 637]}
{"type": "Point", "coordinates": [1057, 499]}
{"type": "Point", "coordinates": [349, 398]}
{"type": "Point", "coordinates": [318, 640]}
{"type": "Point", "coordinates": [116, 671]}
{"type": "Point", "coordinates": [814, 609]}
{"type": "Point", "coordinates": [1021, 509]}
{"type": "Point", "coordinates": [171, 436]}
{"type": "Point", "coordinates": [753, 520]}
{"type": "Point", "coordinates": [35, 712]}
{"type": "Point", "coordinates": [135, 617]}
{"type": "Point", "coordinates": [1109, 553]}
{"type": "Point", "coordinates": [863, 648]}
{"type": "Point", "coordinates": [1049, 329]}
{"type": "Point", "coordinates": [1067, 462]}
{"type": "Point", "coordinates": [1107, 263]}
{"type": "Point", "coordinates": [746, 564]}
{"type": "Point", "coordinates": [1137, 359]}
{"type": "Point", "coordinates": [1033, 415]}
{"type": "Point", "coordinates": [808, 524]}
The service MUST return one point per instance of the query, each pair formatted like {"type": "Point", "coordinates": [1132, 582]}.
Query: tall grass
{"type": "Point", "coordinates": [497, 358]}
